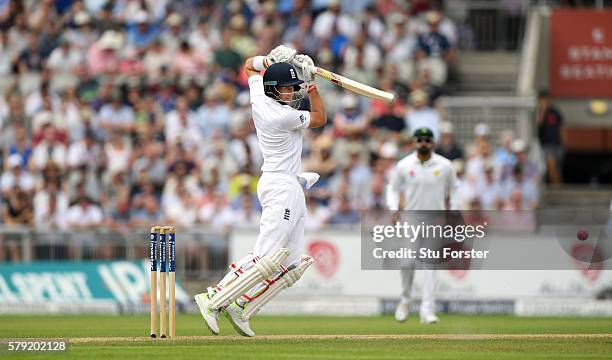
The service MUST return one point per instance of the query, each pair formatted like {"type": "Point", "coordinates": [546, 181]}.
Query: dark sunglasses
{"type": "Point", "coordinates": [424, 139]}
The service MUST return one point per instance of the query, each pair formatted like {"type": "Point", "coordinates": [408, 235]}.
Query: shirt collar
{"type": "Point", "coordinates": [427, 163]}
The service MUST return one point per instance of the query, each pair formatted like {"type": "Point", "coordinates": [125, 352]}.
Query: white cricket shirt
{"type": "Point", "coordinates": [279, 130]}
{"type": "Point", "coordinates": [425, 185]}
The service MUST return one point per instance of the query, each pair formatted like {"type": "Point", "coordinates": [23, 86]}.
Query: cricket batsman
{"type": "Point", "coordinates": [275, 262]}
{"type": "Point", "coordinates": [423, 180]}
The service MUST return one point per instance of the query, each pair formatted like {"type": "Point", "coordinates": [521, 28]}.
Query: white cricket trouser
{"type": "Point", "coordinates": [282, 218]}
{"type": "Point", "coordinates": [428, 298]}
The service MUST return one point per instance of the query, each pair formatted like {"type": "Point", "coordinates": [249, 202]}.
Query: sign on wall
{"type": "Point", "coordinates": [337, 272]}
{"type": "Point", "coordinates": [69, 287]}
{"type": "Point", "coordinates": [580, 53]}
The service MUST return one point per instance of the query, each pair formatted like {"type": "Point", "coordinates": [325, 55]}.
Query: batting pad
{"type": "Point", "coordinates": [293, 274]}
{"type": "Point", "coordinates": [261, 270]}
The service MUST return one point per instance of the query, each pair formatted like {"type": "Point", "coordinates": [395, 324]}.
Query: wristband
{"type": "Point", "coordinates": [260, 63]}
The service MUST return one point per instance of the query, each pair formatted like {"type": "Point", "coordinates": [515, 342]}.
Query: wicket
{"type": "Point", "coordinates": [166, 253]}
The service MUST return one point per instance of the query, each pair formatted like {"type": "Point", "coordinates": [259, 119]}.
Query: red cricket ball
{"type": "Point", "coordinates": [582, 235]}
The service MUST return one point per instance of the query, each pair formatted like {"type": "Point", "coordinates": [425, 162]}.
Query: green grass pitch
{"type": "Point", "coordinates": [310, 337]}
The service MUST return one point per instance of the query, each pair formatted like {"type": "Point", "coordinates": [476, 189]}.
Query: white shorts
{"type": "Point", "coordinates": [282, 218]}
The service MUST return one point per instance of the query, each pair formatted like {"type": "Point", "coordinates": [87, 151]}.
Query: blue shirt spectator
{"type": "Point", "coordinates": [345, 215]}
{"type": "Point", "coordinates": [141, 33]}
{"type": "Point", "coordinates": [433, 44]}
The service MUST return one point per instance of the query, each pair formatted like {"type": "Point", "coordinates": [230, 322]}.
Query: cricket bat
{"type": "Point", "coordinates": [351, 85]}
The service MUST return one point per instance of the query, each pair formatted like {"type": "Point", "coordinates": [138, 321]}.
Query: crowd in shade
{"type": "Point", "coordinates": [127, 113]}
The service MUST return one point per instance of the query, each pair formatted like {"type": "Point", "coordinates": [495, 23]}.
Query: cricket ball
{"type": "Point", "coordinates": [582, 235]}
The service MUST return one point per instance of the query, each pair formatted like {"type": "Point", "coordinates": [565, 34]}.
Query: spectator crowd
{"type": "Point", "coordinates": [128, 113]}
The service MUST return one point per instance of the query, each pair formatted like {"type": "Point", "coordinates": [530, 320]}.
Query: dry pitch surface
{"type": "Point", "coordinates": [89, 340]}
{"type": "Point", "coordinates": [456, 337]}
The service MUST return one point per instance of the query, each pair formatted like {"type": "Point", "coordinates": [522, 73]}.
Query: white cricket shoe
{"type": "Point", "coordinates": [208, 313]}
{"type": "Point", "coordinates": [233, 313]}
{"type": "Point", "coordinates": [430, 318]}
{"type": "Point", "coordinates": [402, 311]}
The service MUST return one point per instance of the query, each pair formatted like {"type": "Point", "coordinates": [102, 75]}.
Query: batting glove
{"type": "Point", "coordinates": [304, 65]}
{"type": "Point", "coordinates": [281, 53]}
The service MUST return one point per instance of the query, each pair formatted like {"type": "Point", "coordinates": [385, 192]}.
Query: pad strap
{"type": "Point", "coordinates": [262, 293]}
{"type": "Point", "coordinates": [239, 282]}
